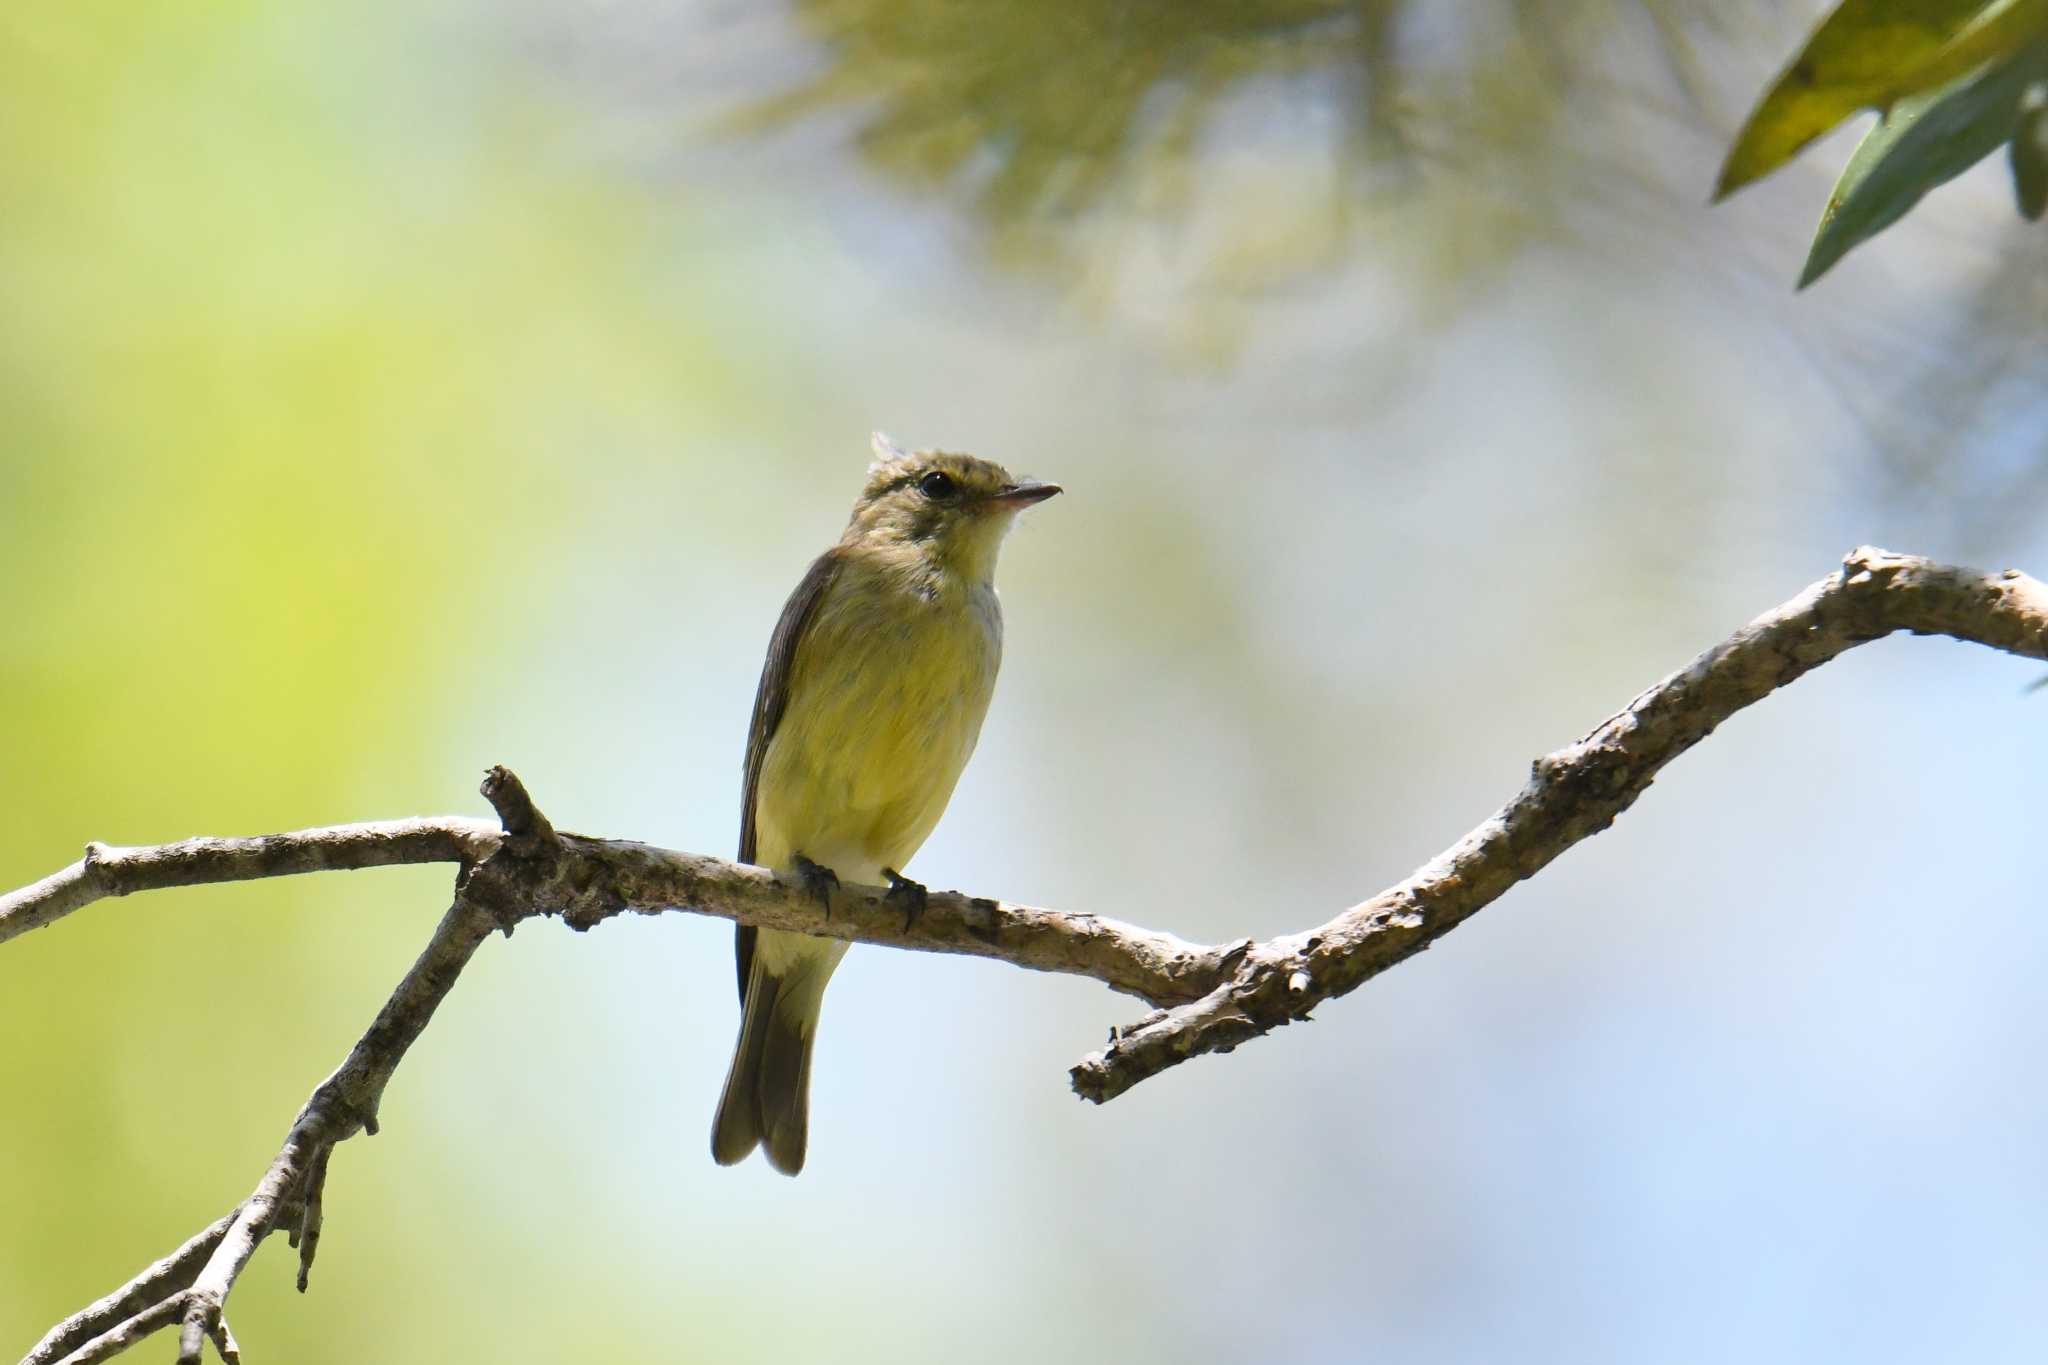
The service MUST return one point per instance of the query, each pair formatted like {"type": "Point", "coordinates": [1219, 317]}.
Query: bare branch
{"type": "Point", "coordinates": [160, 1282]}
{"type": "Point", "coordinates": [147, 1323]}
{"type": "Point", "coordinates": [190, 1288]}
{"type": "Point", "coordinates": [1575, 793]}
{"type": "Point", "coordinates": [108, 871]}
{"type": "Point", "coordinates": [1210, 997]}
{"type": "Point", "coordinates": [586, 881]}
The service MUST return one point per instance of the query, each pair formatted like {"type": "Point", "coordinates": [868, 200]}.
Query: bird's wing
{"type": "Point", "coordinates": [771, 699]}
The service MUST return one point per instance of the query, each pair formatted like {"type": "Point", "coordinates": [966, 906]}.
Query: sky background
{"type": "Point", "coordinates": [389, 391]}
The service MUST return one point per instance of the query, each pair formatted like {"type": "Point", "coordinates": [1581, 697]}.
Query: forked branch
{"type": "Point", "coordinates": [1208, 998]}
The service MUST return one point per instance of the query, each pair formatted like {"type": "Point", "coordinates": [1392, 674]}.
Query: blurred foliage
{"type": "Point", "coordinates": [1282, 126]}
{"type": "Point", "coordinates": [1040, 112]}
{"type": "Point", "coordinates": [2029, 154]}
{"type": "Point", "coordinates": [287, 357]}
{"type": "Point", "coordinates": [1199, 169]}
{"type": "Point", "coordinates": [1036, 117]}
{"type": "Point", "coordinates": [1950, 79]}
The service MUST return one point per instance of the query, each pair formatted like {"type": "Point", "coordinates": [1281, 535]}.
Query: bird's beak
{"type": "Point", "coordinates": [1012, 496]}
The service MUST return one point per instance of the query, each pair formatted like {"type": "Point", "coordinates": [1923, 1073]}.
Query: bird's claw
{"type": "Point", "coordinates": [907, 893]}
{"type": "Point", "coordinates": [819, 880]}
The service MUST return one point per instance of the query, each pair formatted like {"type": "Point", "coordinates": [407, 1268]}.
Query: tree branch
{"type": "Point", "coordinates": [1211, 997]}
{"type": "Point", "coordinates": [72, 1339]}
{"type": "Point", "coordinates": [108, 871]}
{"type": "Point", "coordinates": [1577, 792]}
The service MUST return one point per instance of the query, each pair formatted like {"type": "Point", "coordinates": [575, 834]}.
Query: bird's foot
{"type": "Point", "coordinates": [906, 893]}
{"type": "Point", "coordinates": [819, 880]}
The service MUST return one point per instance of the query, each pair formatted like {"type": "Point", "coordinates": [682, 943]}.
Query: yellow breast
{"type": "Point", "coordinates": [886, 698]}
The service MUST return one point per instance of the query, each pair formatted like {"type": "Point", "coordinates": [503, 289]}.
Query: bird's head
{"type": "Point", "coordinates": [950, 510]}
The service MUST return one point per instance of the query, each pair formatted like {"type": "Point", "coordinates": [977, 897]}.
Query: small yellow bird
{"type": "Point", "coordinates": [877, 679]}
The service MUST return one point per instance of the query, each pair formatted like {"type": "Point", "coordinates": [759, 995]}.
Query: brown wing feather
{"type": "Point", "coordinates": [771, 699]}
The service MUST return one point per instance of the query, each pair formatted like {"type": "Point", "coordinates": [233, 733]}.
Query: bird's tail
{"type": "Point", "coordinates": [767, 1091]}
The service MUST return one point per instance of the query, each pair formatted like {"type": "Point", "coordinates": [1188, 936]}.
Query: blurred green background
{"type": "Point", "coordinates": [387, 391]}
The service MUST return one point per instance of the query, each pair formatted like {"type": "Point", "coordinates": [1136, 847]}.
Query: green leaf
{"type": "Point", "coordinates": [1872, 54]}
{"type": "Point", "coordinates": [2030, 159]}
{"type": "Point", "coordinates": [1923, 142]}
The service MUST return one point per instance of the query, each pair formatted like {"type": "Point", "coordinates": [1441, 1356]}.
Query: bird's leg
{"type": "Point", "coordinates": [819, 880]}
{"type": "Point", "coordinates": [907, 893]}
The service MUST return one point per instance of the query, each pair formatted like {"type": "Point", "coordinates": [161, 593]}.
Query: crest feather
{"type": "Point", "coordinates": [887, 453]}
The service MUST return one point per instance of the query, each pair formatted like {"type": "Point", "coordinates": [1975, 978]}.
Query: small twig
{"type": "Point", "coordinates": [516, 812]}
{"type": "Point", "coordinates": [305, 1233]}
{"type": "Point", "coordinates": [161, 1281]}
{"type": "Point", "coordinates": [224, 1342]}
{"type": "Point", "coordinates": [131, 1332]}
{"type": "Point", "coordinates": [108, 871]}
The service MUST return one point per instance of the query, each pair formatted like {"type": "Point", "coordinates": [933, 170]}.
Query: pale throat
{"type": "Point", "coordinates": [961, 560]}
{"type": "Point", "coordinates": [969, 552]}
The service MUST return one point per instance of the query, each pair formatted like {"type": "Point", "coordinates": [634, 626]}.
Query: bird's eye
{"type": "Point", "coordinates": [937, 484]}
